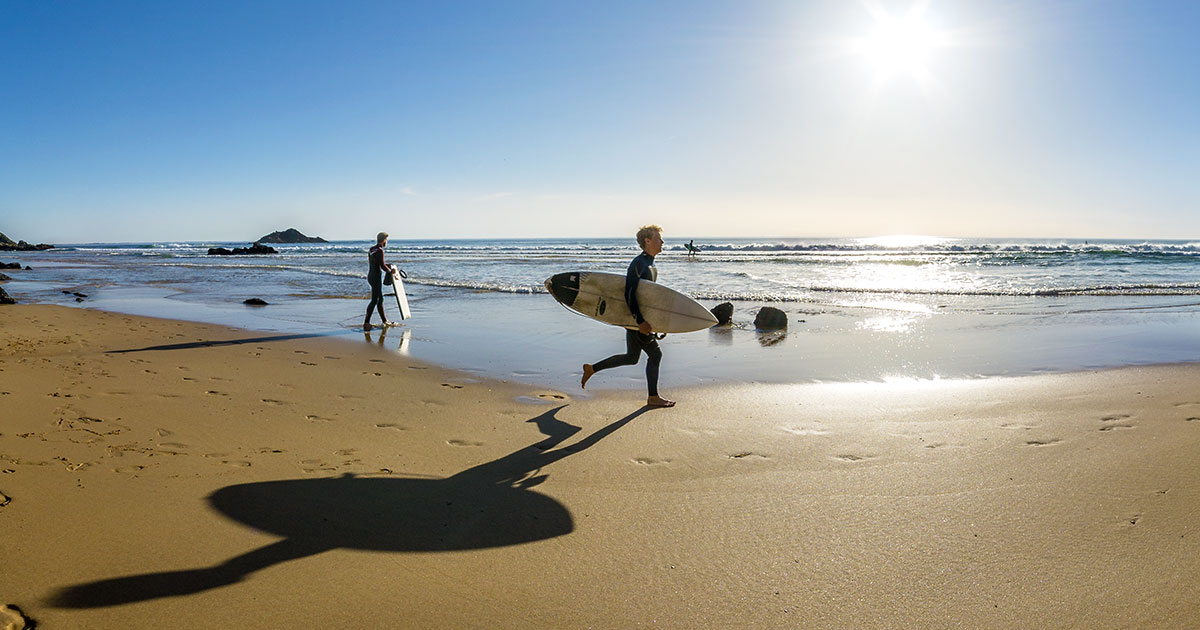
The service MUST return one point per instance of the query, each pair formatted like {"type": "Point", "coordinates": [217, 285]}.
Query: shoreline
{"type": "Point", "coordinates": [534, 341]}
{"type": "Point", "coordinates": [161, 470]}
{"type": "Point", "coordinates": [461, 323]}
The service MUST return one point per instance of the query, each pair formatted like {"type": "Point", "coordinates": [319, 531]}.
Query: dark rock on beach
{"type": "Point", "coordinates": [255, 248]}
{"type": "Point", "coordinates": [723, 312]}
{"type": "Point", "coordinates": [4, 278]}
{"type": "Point", "coordinates": [290, 235]}
{"type": "Point", "coordinates": [6, 244]}
{"type": "Point", "coordinates": [10, 265]}
{"type": "Point", "coordinates": [4, 298]}
{"type": "Point", "coordinates": [770, 318]}
{"type": "Point", "coordinates": [255, 302]}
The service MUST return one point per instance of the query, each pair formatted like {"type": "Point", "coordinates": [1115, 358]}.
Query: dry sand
{"type": "Point", "coordinates": [168, 474]}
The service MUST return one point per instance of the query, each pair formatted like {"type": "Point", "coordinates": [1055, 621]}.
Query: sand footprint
{"type": "Point", "coordinates": [1043, 442]}
{"type": "Point", "coordinates": [238, 463]}
{"type": "Point", "coordinates": [388, 425]}
{"type": "Point", "coordinates": [452, 386]}
{"type": "Point", "coordinates": [464, 443]}
{"type": "Point", "coordinates": [316, 466]}
{"type": "Point", "coordinates": [805, 430]}
{"type": "Point", "coordinates": [1115, 418]}
{"type": "Point", "coordinates": [747, 455]}
{"type": "Point", "coordinates": [648, 461]}
{"type": "Point", "coordinates": [853, 458]}
{"type": "Point", "coordinates": [316, 417]}
{"type": "Point", "coordinates": [4, 499]}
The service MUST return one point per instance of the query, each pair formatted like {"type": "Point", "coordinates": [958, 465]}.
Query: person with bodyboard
{"type": "Point", "coordinates": [375, 275]}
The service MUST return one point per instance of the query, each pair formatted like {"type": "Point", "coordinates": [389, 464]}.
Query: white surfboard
{"type": "Point", "coordinates": [601, 296]}
{"type": "Point", "coordinates": [401, 298]}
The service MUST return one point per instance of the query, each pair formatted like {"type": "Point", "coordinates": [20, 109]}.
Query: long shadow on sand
{"type": "Point", "coordinates": [230, 342]}
{"type": "Point", "coordinates": [490, 505]}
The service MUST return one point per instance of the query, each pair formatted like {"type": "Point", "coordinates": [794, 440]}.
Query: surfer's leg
{"type": "Point", "coordinates": [632, 350]}
{"type": "Point", "coordinates": [588, 371]}
{"type": "Point", "coordinates": [376, 302]}
{"type": "Point", "coordinates": [653, 359]}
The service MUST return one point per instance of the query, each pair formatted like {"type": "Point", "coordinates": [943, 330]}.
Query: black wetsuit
{"type": "Point", "coordinates": [642, 268]}
{"type": "Point", "coordinates": [375, 278]}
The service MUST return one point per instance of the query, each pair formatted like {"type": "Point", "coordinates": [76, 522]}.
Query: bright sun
{"type": "Point", "coordinates": [899, 45]}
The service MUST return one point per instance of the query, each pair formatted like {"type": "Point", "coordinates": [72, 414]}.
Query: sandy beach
{"type": "Point", "coordinates": [159, 473]}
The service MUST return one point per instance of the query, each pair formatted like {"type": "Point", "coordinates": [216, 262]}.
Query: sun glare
{"type": "Point", "coordinates": [897, 45]}
{"type": "Point", "coordinates": [903, 45]}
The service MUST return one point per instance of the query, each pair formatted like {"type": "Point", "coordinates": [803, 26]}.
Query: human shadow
{"type": "Point", "coordinates": [490, 505]}
{"type": "Point", "coordinates": [229, 342]}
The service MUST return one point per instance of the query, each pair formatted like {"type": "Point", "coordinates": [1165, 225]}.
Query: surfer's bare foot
{"type": "Point", "coordinates": [659, 401]}
{"type": "Point", "coordinates": [588, 371]}
{"type": "Point", "coordinates": [366, 326]}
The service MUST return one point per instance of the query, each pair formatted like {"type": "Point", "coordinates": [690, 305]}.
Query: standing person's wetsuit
{"type": "Point", "coordinates": [377, 267]}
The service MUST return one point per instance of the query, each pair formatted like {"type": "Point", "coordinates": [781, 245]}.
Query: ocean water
{"type": "Point", "coordinates": [871, 308]}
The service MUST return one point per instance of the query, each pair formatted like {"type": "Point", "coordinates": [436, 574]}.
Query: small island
{"type": "Point", "coordinates": [290, 235]}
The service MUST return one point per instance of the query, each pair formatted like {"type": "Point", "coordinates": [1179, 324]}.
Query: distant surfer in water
{"type": "Point", "coordinates": [692, 249]}
{"type": "Point", "coordinates": [649, 238]}
{"type": "Point", "coordinates": [375, 279]}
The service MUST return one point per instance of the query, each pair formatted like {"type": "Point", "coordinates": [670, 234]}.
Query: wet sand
{"type": "Point", "coordinates": [156, 472]}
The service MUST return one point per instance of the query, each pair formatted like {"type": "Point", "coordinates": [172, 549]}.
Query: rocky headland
{"type": "Point", "coordinates": [7, 244]}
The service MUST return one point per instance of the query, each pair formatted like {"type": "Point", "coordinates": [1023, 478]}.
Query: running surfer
{"type": "Point", "coordinates": [649, 238]}
{"type": "Point", "coordinates": [375, 278]}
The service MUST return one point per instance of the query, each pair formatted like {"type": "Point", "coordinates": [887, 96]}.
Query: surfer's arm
{"type": "Point", "coordinates": [631, 284]}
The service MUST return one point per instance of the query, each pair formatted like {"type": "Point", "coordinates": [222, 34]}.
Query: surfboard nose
{"type": "Point", "coordinates": [564, 287]}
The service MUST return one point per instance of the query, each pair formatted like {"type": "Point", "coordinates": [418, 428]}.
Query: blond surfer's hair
{"type": "Point", "coordinates": [646, 232]}
{"type": "Point", "coordinates": [381, 237]}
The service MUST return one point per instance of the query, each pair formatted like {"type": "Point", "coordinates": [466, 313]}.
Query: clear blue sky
{"type": "Point", "coordinates": [133, 121]}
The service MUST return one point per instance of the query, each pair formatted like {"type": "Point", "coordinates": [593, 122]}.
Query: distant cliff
{"type": "Point", "coordinates": [6, 244]}
{"type": "Point", "coordinates": [290, 235]}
